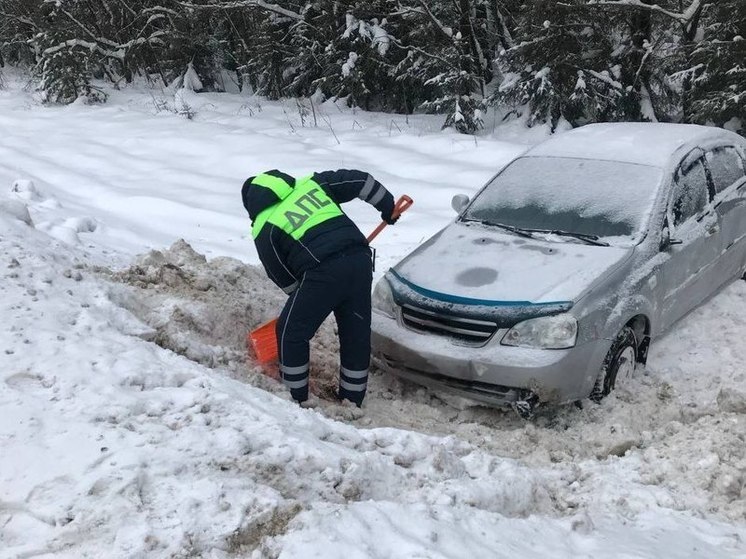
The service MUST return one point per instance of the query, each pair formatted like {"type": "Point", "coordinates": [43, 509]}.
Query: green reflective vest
{"type": "Point", "coordinates": [301, 209]}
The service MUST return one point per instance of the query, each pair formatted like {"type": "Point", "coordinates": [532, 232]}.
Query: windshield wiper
{"type": "Point", "coordinates": [590, 239]}
{"type": "Point", "coordinates": [518, 231]}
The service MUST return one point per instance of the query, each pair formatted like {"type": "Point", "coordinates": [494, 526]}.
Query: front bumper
{"type": "Point", "coordinates": [493, 374]}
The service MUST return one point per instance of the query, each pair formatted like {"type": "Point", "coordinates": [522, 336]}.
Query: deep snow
{"type": "Point", "coordinates": [133, 425]}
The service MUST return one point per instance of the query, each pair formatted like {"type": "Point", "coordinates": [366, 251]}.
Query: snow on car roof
{"type": "Point", "coordinates": [640, 142]}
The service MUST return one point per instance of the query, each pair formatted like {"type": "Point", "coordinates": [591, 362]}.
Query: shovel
{"type": "Point", "coordinates": [263, 339]}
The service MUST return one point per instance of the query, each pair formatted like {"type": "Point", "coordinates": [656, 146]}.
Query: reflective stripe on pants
{"type": "Point", "coordinates": [340, 285]}
{"type": "Point", "coordinates": [295, 378]}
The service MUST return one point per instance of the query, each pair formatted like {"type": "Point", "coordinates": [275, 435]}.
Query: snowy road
{"type": "Point", "coordinates": [111, 445]}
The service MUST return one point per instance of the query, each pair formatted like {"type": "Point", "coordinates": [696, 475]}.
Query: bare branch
{"type": "Point", "coordinates": [88, 31]}
{"type": "Point", "coordinates": [162, 10]}
{"type": "Point", "coordinates": [130, 10]}
{"type": "Point", "coordinates": [605, 78]}
{"type": "Point", "coordinates": [424, 10]}
{"type": "Point", "coordinates": [20, 19]}
{"type": "Point", "coordinates": [119, 52]}
{"type": "Point", "coordinates": [245, 4]}
{"type": "Point", "coordinates": [684, 17]}
{"type": "Point", "coordinates": [423, 52]}
{"type": "Point", "coordinates": [443, 29]}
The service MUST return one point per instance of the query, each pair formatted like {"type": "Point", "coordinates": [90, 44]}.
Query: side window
{"type": "Point", "coordinates": [726, 167]}
{"type": "Point", "coordinates": [690, 191]}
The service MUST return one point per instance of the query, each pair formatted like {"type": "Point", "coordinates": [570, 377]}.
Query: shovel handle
{"type": "Point", "coordinates": [401, 206]}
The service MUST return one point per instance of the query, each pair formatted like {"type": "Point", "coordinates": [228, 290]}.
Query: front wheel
{"type": "Point", "coordinates": [619, 365]}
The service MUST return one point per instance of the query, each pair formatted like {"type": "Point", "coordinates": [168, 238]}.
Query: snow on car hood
{"type": "Point", "coordinates": [485, 264]}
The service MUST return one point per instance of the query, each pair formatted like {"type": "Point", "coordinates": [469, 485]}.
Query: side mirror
{"type": "Point", "coordinates": [459, 202]}
{"type": "Point", "coordinates": [666, 240]}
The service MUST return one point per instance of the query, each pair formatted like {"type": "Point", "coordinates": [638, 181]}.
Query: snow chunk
{"type": "Point", "coordinates": [81, 224]}
{"type": "Point", "coordinates": [16, 209]}
{"type": "Point", "coordinates": [348, 66]}
{"type": "Point", "coordinates": [67, 230]}
{"type": "Point", "coordinates": [646, 105]}
{"type": "Point", "coordinates": [26, 190]}
{"type": "Point", "coordinates": [351, 24]}
{"type": "Point", "coordinates": [580, 84]}
{"type": "Point", "coordinates": [191, 80]}
{"type": "Point", "coordinates": [381, 39]}
{"type": "Point", "coordinates": [362, 29]}
{"type": "Point", "coordinates": [735, 124]}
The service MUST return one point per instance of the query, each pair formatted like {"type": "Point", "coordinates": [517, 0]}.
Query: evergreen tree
{"type": "Point", "coordinates": [449, 70]}
{"type": "Point", "coordinates": [716, 84]}
{"type": "Point", "coordinates": [458, 87]}
{"type": "Point", "coordinates": [359, 60]}
{"type": "Point", "coordinates": [566, 65]}
{"type": "Point", "coordinates": [265, 63]}
{"type": "Point", "coordinates": [576, 60]}
{"type": "Point", "coordinates": [64, 73]}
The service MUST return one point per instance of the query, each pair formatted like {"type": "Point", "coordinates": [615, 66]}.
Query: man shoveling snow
{"type": "Point", "coordinates": [318, 256]}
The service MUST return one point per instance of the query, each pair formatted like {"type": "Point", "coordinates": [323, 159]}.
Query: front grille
{"type": "Point", "coordinates": [465, 329]}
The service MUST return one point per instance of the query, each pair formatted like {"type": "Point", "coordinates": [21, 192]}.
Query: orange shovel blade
{"type": "Point", "coordinates": [263, 341]}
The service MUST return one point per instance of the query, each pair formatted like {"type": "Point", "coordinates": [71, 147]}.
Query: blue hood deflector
{"type": "Point", "coordinates": [456, 300]}
{"type": "Point", "coordinates": [505, 314]}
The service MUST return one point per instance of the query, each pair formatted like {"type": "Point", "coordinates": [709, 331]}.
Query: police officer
{"type": "Point", "coordinates": [318, 256]}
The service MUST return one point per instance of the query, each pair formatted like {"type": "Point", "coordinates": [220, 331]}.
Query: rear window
{"type": "Point", "coordinates": [726, 167]}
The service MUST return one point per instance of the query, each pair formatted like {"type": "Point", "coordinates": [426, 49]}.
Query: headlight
{"type": "Point", "coordinates": [549, 332]}
{"type": "Point", "coordinates": [383, 299]}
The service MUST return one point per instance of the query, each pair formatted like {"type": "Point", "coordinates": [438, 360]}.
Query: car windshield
{"type": "Point", "coordinates": [596, 199]}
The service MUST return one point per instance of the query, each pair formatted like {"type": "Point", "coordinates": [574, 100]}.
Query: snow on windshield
{"type": "Point", "coordinates": [608, 199]}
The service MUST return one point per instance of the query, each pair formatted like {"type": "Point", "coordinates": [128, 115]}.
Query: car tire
{"type": "Point", "coordinates": [620, 360]}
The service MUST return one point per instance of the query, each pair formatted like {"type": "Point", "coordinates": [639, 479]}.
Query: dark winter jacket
{"type": "Point", "coordinates": [297, 223]}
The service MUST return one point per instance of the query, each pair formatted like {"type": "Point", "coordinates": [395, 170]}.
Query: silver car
{"type": "Point", "coordinates": [554, 279]}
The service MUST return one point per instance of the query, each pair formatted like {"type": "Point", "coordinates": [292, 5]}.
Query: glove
{"type": "Point", "coordinates": [387, 214]}
{"type": "Point", "coordinates": [389, 219]}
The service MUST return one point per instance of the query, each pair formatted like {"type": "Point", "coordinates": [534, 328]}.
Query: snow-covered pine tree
{"type": "Point", "coordinates": [17, 25]}
{"type": "Point", "coordinates": [358, 62]}
{"type": "Point", "coordinates": [77, 40]}
{"type": "Point", "coordinates": [445, 65]}
{"type": "Point", "coordinates": [591, 61]}
{"type": "Point", "coordinates": [458, 86]}
{"type": "Point", "coordinates": [309, 48]}
{"type": "Point", "coordinates": [562, 67]}
{"type": "Point", "coordinates": [716, 91]}
{"type": "Point", "coordinates": [578, 60]}
{"type": "Point", "coordinates": [268, 49]}
{"type": "Point", "coordinates": [187, 36]}
{"type": "Point", "coordinates": [64, 72]}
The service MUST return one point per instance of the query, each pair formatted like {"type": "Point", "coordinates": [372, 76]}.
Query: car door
{"type": "Point", "coordinates": [729, 180]}
{"type": "Point", "coordinates": [694, 230]}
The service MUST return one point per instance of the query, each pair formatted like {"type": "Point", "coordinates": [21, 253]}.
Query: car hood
{"type": "Point", "coordinates": [483, 265]}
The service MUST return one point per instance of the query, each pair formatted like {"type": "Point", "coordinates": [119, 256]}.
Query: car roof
{"type": "Point", "coordinates": [644, 143]}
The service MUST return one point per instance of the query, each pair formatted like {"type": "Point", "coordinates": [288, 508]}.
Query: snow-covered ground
{"type": "Point", "coordinates": [132, 423]}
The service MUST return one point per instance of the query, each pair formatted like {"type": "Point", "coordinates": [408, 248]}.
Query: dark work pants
{"type": "Point", "coordinates": [340, 285]}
